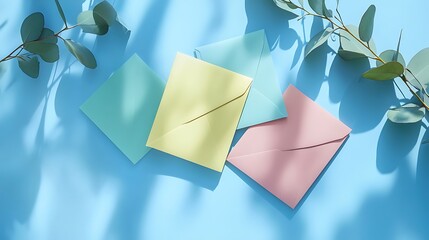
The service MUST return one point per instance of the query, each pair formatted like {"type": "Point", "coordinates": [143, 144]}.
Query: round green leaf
{"type": "Point", "coordinates": [61, 12]}
{"type": "Point", "coordinates": [386, 71]}
{"type": "Point", "coordinates": [106, 11]}
{"type": "Point", "coordinates": [49, 52]}
{"type": "Point", "coordinates": [32, 27]}
{"type": "Point", "coordinates": [348, 55]}
{"type": "Point", "coordinates": [366, 25]}
{"type": "Point", "coordinates": [408, 113]}
{"type": "Point", "coordinates": [389, 56]}
{"type": "Point", "coordinates": [47, 36]}
{"type": "Point", "coordinates": [419, 66]}
{"type": "Point", "coordinates": [350, 44]}
{"type": "Point", "coordinates": [317, 40]}
{"type": "Point", "coordinates": [29, 66]}
{"type": "Point", "coordinates": [83, 54]}
{"type": "Point", "coordinates": [92, 23]}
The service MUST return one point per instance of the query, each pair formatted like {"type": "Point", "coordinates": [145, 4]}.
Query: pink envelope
{"type": "Point", "coordinates": [286, 156]}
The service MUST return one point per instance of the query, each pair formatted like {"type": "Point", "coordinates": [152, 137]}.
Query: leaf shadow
{"type": "Point", "coordinates": [266, 15]}
{"type": "Point", "coordinates": [394, 144]}
{"type": "Point", "coordinates": [312, 74]}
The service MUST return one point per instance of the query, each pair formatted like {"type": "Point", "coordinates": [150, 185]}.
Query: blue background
{"type": "Point", "coordinates": [61, 178]}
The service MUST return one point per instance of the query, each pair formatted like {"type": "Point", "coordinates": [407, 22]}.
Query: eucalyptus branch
{"type": "Point", "coordinates": [41, 42]}
{"type": "Point", "coordinates": [356, 42]}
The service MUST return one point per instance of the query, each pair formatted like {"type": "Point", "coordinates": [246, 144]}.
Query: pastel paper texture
{"type": "Point", "coordinates": [250, 55]}
{"type": "Point", "coordinates": [125, 106]}
{"type": "Point", "coordinates": [199, 112]}
{"type": "Point", "coordinates": [286, 156]}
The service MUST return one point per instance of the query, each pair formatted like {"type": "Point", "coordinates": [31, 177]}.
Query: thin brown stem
{"type": "Point", "coordinates": [8, 57]}
{"type": "Point", "coordinates": [21, 47]}
{"type": "Point", "coordinates": [404, 79]}
{"type": "Point", "coordinates": [341, 26]}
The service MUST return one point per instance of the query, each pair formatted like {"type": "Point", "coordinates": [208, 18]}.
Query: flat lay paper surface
{"type": "Point", "coordinates": [250, 55]}
{"type": "Point", "coordinates": [125, 106]}
{"type": "Point", "coordinates": [286, 156]}
{"type": "Point", "coordinates": [61, 178]}
{"type": "Point", "coordinates": [199, 112]}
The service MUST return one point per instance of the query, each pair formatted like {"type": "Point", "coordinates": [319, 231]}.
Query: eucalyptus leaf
{"type": "Point", "coordinates": [419, 66]}
{"type": "Point", "coordinates": [408, 113]}
{"type": "Point", "coordinates": [49, 52]}
{"type": "Point", "coordinates": [29, 66]}
{"type": "Point", "coordinates": [326, 11]}
{"type": "Point", "coordinates": [395, 58]}
{"type": "Point", "coordinates": [348, 55]}
{"type": "Point", "coordinates": [61, 12]}
{"type": "Point", "coordinates": [386, 71]}
{"type": "Point", "coordinates": [106, 11]}
{"type": "Point", "coordinates": [48, 36]}
{"type": "Point", "coordinates": [317, 6]}
{"type": "Point", "coordinates": [349, 44]}
{"type": "Point", "coordinates": [287, 6]}
{"type": "Point", "coordinates": [301, 2]}
{"type": "Point", "coordinates": [32, 27]}
{"type": "Point", "coordinates": [318, 40]}
{"type": "Point", "coordinates": [92, 23]}
{"type": "Point", "coordinates": [366, 25]}
{"type": "Point", "coordinates": [83, 54]}
{"type": "Point", "coordinates": [389, 56]}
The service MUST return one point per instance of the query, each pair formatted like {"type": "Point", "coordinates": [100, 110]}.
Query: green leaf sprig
{"type": "Point", "coordinates": [39, 41]}
{"type": "Point", "coordinates": [356, 42]}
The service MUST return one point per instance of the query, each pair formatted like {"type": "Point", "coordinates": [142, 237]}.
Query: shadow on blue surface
{"type": "Point", "coordinates": [262, 14]}
{"type": "Point", "coordinates": [21, 170]}
{"type": "Point", "coordinates": [400, 213]}
{"type": "Point", "coordinates": [394, 144]}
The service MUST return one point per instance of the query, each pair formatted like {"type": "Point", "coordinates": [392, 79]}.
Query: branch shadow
{"type": "Point", "coordinates": [311, 74]}
{"type": "Point", "coordinates": [266, 15]}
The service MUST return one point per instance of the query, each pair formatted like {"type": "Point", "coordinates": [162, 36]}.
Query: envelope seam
{"type": "Point", "coordinates": [293, 149]}
{"type": "Point", "coordinates": [214, 109]}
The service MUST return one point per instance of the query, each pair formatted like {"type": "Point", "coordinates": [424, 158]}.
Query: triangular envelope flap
{"type": "Point", "coordinates": [194, 89]}
{"type": "Point", "coordinates": [239, 54]}
{"type": "Point", "coordinates": [265, 79]}
{"type": "Point", "coordinates": [307, 125]}
{"type": "Point", "coordinates": [259, 100]}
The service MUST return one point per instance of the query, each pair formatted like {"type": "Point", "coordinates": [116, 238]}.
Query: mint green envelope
{"type": "Point", "coordinates": [124, 107]}
{"type": "Point", "coordinates": [250, 55]}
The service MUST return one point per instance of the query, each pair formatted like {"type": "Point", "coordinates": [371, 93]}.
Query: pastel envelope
{"type": "Point", "coordinates": [125, 106]}
{"type": "Point", "coordinates": [286, 156]}
{"type": "Point", "coordinates": [199, 112]}
{"type": "Point", "coordinates": [250, 55]}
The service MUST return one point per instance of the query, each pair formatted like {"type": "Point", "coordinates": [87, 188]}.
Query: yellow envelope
{"type": "Point", "coordinates": [199, 112]}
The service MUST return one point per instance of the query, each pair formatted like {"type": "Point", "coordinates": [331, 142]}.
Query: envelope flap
{"type": "Point", "coordinates": [196, 88]}
{"type": "Point", "coordinates": [232, 53]}
{"type": "Point", "coordinates": [306, 126]}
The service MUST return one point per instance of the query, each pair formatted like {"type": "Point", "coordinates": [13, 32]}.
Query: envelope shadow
{"type": "Point", "coordinates": [160, 163]}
